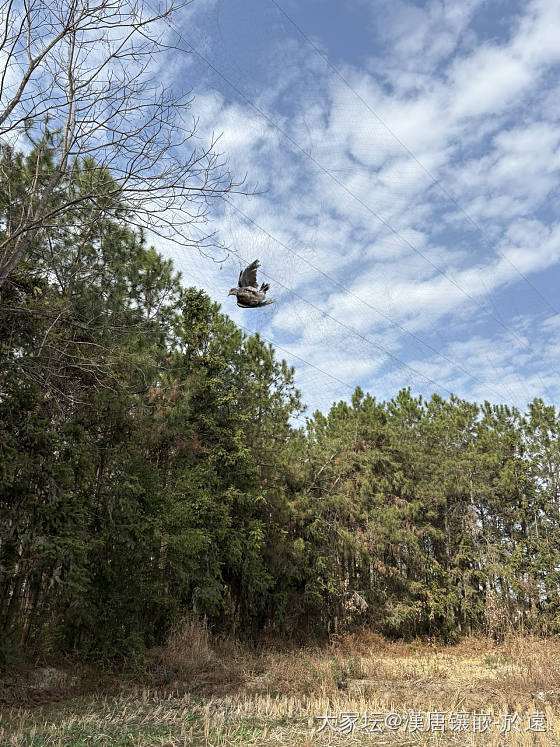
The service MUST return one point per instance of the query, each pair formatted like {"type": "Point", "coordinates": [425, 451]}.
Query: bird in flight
{"type": "Point", "coordinates": [248, 294]}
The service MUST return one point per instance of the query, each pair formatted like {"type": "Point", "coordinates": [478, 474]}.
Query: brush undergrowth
{"type": "Point", "coordinates": [202, 690]}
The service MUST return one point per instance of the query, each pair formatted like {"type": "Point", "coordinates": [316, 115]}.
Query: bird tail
{"type": "Point", "coordinates": [267, 302]}
{"type": "Point", "coordinates": [264, 287]}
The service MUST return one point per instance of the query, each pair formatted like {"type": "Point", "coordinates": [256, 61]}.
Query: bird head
{"type": "Point", "coordinates": [233, 292]}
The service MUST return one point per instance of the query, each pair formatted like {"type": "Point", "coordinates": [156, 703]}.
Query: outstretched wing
{"type": "Point", "coordinates": [248, 278]}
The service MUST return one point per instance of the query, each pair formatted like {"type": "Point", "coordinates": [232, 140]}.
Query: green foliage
{"type": "Point", "coordinates": [149, 469]}
{"type": "Point", "coordinates": [134, 418]}
{"type": "Point", "coordinates": [414, 511]}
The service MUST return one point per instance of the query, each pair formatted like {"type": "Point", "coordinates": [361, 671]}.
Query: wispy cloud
{"type": "Point", "coordinates": [478, 115]}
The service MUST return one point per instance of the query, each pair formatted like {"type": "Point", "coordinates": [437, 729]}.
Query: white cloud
{"type": "Point", "coordinates": [477, 117]}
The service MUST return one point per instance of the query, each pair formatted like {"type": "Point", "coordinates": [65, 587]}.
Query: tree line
{"type": "Point", "coordinates": [150, 467]}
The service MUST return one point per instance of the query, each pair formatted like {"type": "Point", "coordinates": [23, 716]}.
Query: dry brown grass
{"type": "Point", "coordinates": [188, 651]}
{"type": "Point", "coordinates": [190, 659]}
{"type": "Point", "coordinates": [217, 693]}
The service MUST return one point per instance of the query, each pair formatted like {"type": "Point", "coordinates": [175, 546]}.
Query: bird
{"type": "Point", "coordinates": [248, 294]}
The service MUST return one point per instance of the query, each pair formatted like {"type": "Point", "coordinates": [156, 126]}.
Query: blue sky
{"type": "Point", "coordinates": [406, 215]}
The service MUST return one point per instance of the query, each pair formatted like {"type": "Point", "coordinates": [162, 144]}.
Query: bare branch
{"type": "Point", "coordinates": [79, 83]}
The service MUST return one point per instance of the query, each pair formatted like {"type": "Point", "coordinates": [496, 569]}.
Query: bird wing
{"type": "Point", "coordinates": [248, 278]}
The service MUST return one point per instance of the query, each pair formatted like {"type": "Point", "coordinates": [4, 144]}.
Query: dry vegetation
{"type": "Point", "coordinates": [199, 691]}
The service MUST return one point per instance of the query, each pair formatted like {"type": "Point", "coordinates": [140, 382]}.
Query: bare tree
{"type": "Point", "coordinates": [79, 76]}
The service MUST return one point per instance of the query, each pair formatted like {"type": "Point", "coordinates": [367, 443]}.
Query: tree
{"type": "Point", "coordinates": [83, 331]}
{"type": "Point", "coordinates": [141, 441]}
{"type": "Point", "coordinates": [80, 80]}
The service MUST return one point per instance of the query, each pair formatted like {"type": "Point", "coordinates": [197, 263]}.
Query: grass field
{"type": "Point", "coordinates": [194, 692]}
